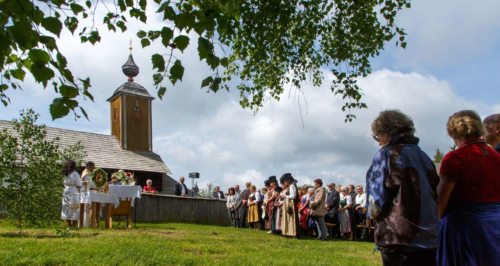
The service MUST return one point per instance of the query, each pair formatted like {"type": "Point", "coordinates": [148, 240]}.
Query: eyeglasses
{"type": "Point", "coordinates": [376, 138]}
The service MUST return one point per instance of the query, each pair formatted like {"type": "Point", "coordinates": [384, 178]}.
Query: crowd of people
{"type": "Point", "coordinates": [282, 208]}
{"type": "Point", "coordinates": [422, 216]}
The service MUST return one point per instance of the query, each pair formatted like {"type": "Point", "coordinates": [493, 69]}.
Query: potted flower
{"type": "Point", "coordinates": [123, 177]}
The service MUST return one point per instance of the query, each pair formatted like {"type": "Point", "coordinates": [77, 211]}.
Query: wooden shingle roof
{"type": "Point", "coordinates": [104, 150]}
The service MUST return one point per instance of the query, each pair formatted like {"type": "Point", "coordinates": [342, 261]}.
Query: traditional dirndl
{"type": "Point", "coordinates": [253, 213]}
{"type": "Point", "coordinates": [289, 221]}
{"type": "Point", "coordinates": [469, 234]}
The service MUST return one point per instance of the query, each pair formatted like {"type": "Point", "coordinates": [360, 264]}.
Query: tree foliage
{"type": "Point", "coordinates": [262, 47]}
{"type": "Point", "coordinates": [438, 156]}
{"type": "Point", "coordinates": [31, 171]}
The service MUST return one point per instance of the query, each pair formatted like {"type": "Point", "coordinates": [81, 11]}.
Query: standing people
{"type": "Point", "coordinates": [318, 209]}
{"type": "Point", "coordinates": [469, 196]}
{"type": "Point", "coordinates": [181, 188]}
{"type": "Point", "coordinates": [70, 208]}
{"type": "Point", "coordinates": [238, 203]}
{"type": "Point", "coordinates": [217, 193]}
{"type": "Point", "coordinates": [86, 176]}
{"type": "Point", "coordinates": [304, 210]}
{"type": "Point", "coordinates": [492, 131]}
{"type": "Point", "coordinates": [289, 224]}
{"type": "Point", "coordinates": [244, 205]}
{"type": "Point", "coordinates": [253, 207]}
{"type": "Point", "coordinates": [401, 192]}
{"type": "Point", "coordinates": [271, 197]}
{"type": "Point", "coordinates": [231, 205]}
{"type": "Point", "coordinates": [332, 209]}
{"type": "Point", "coordinates": [345, 217]}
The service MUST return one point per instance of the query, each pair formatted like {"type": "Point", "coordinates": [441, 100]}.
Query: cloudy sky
{"type": "Point", "coordinates": [452, 62]}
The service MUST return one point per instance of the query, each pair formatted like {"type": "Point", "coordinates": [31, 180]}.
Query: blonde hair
{"type": "Point", "coordinates": [465, 124]}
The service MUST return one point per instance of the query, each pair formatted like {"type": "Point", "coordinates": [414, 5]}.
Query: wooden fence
{"type": "Point", "coordinates": [169, 208]}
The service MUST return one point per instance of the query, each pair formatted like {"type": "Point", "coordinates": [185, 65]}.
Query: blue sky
{"type": "Point", "coordinates": [451, 63]}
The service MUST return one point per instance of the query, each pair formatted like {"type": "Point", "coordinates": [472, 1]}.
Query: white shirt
{"type": "Point", "coordinates": [72, 180]}
{"type": "Point", "coordinates": [183, 190]}
{"type": "Point", "coordinates": [291, 192]}
{"type": "Point", "coordinates": [361, 200]}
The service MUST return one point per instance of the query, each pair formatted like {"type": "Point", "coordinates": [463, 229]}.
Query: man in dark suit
{"type": "Point", "coordinates": [244, 207]}
{"type": "Point", "coordinates": [332, 206]}
{"type": "Point", "coordinates": [217, 193]}
{"type": "Point", "coordinates": [181, 188]}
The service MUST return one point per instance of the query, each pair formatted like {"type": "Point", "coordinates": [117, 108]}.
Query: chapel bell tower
{"type": "Point", "coordinates": [131, 112]}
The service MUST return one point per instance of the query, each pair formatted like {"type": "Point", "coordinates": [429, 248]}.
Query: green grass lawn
{"type": "Point", "coordinates": [173, 244]}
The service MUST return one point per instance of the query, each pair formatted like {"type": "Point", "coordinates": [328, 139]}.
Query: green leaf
{"type": "Point", "coordinates": [41, 73]}
{"type": "Point", "coordinates": [176, 72]}
{"type": "Point", "coordinates": [58, 109]}
{"type": "Point", "coordinates": [61, 60]}
{"type": "Point", "coordinates": [161, 92]}
{"type": "Point", "coordinates": [145, 42]}
{"type": "Point", "coordinates": [49, 42]}
{"type": "Point", "coordinates": [52, 24]}
{"type": "Point", "coordinates": [158, 62]}
{"type": "Point", "coordinates": [205, 47]}
{"type": "Point", "coordinates": [68, 91]}
{"type": "Point", "coordinates": [141, 34]}
{"type": "Point", "coordinates": [206, 82]}
{"type": "Point", "coordinates": [76, 8]}
{"type": "Point", "coordinates": [18, 73]}
{"type": "Point", "coordinates": [181, 41]}
{"type": "Point", "coordinates": [166, 36]}
{"type": "Point", "coordinates": [224, 62]}
{"type": "Point", "coordinates": [142, 4]}
{"type": "Point", "coordinates": [39, 57]}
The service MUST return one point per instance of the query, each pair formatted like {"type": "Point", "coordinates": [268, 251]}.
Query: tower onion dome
{"type": "Point", "coordinates": [130, 69]}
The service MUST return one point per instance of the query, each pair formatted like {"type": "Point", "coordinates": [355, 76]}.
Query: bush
{"type": "Point", "coordinates": [30, 172]}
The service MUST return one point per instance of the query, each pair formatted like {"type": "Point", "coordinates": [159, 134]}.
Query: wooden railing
{"type": "Point", "coordinates": [169, 208]}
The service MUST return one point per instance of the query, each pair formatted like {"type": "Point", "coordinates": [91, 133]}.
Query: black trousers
{"type": "Point", "coordinates": [243, 216]}
{"type": "Point", "coordinates": [413, 257]}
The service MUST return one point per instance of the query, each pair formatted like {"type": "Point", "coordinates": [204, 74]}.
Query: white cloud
{"type": "Point", "coordinates": [211, 134]}
{"type": "Point", "coordinates": [442, 33]}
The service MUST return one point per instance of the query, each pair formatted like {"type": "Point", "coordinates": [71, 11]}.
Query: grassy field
{"type": "Point", "coordinates": [173, 244]}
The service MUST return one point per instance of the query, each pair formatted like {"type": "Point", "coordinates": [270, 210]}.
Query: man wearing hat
{"type": "Point", "coordinates": [318, 209]}
{"type": "Point", "coordinates": [332, 205]}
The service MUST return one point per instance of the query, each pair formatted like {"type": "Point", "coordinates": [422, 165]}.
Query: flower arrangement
{"type": "Point", "coordinates": [124, 177]}
{"type": "Point", "coordinates": [99, 177]}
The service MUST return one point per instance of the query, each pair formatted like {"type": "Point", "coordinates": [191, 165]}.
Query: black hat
{"type": "Point", "coordinates": [267, 183]}
{"type": "Point", "coordinates": [272, 179]}
{"type": "Point", "coordinates": [287, 176]}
